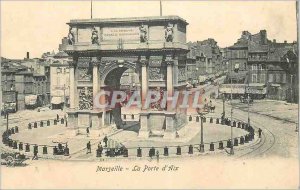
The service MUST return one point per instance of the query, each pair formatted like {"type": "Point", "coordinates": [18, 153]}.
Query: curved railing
{"type": "Point", "coordinates": [111, 152]}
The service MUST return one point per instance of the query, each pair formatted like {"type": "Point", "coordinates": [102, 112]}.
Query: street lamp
{"type": "Point", "coordinates": [231, 112]}
{"type": "Point", "coordinates": [201, 133]}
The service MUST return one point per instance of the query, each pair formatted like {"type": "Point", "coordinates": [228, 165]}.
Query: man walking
{"type": "Point", "coordinates": [105, 140]}
{"type": "Point", "coordinates": [87, 131]}
{"type": "Point", "coordinates": [259, 132]}
{"type": "Point", "coordinates": [88, 148]}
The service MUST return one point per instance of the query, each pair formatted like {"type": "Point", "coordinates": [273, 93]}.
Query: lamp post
{"type": "Point", "coordinates": [231, 112]}
{"type": "Point", "coordinates": [201, 134]}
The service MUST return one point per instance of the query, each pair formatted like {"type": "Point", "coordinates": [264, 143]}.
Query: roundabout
{"type": "Point", "coordinates": [53, 139]}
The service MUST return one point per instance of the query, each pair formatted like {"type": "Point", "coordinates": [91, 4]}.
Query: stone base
{"type": "Point", "coordinates": [144, 134]}
{"type": "Point", "coordinates": [169, 135]}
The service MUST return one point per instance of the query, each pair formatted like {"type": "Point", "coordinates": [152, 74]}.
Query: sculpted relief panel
{"type": "Point", "coordinates": [157, 73]}
{"type": "Point", "coordinates": [85, 98]}
{"type": "Point", "coordinates": [181, 74]}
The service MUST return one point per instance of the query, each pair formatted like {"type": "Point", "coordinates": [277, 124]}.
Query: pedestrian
{"type": "Point", "coordinates": [157, 156]}
{"type": "Point", "coordinates": [35, 156]}
{"type": "Point", "coordinates": [259, 132]}
{"type": "Point", "coordinates": [57, 117]}
{"type": "Point", "coordinates": [87, 131]}
{"type": "Point", "coordinates": [105, 140]}
{"type": "Point", "coordinates": [100, 149]}
{"type": "Point", "coordinates": [88, 148]}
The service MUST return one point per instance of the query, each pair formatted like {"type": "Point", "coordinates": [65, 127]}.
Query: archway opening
{"type": "Point", "coordinates": [123, 79]}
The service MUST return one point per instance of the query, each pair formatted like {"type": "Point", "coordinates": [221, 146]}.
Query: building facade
{"type": "Point", "coordinates": [59, 84]}
{"type": "Point", "coordinates": [205, 60]}
{"type": "Point", "coordinates": [263, 67]}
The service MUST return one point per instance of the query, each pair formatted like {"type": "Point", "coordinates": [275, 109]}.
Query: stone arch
{"type": "Point", "coordinates": [116, 66]}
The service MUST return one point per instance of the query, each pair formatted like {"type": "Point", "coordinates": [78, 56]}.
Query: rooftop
{"type": "Point", "coordinates": [128, 19]}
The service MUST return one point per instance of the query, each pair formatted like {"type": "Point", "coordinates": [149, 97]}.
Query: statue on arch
{"type": "Point", "coordinates": [71, 36]}
{"type": "Point", "coordinates": [169, 32]}
{"type": "Point", "coordinates": [143, 33]}
{"type": "Point", "coordinates": [95, 38]}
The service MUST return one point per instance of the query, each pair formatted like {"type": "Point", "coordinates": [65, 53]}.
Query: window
{"type": "Point", "coordinates": [278, 76]}
{"type": "Point", "coordinates": [259, 67]}
{"type": "Point", "coordinates": [254, 67]}
{"type": "Point", "coordinates": [262, 78]}
{"type": "Point", "coordinates": [254, 78]}
{"type": "Point", "coordinates": [283, 78]}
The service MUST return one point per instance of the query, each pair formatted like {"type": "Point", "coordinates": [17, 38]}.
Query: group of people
{"type": "Point", "coordinates": [208, 106]}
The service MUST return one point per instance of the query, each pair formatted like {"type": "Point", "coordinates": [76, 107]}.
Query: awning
{"type": "Point", "coordinates": [30, 100]}
{"type": "Point", "coordinates": [57, 100]}
{"type": "Point", "coordinates": [232, 88]}
{"type": "Point", "coordinates": [256, 88]}
{"type": "Point", "coordinates": [275, 85]}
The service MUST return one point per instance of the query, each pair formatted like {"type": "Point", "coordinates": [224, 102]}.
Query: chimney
{"type": "Point", "coordinates": [263, 37]}
{"type": "Point", "coordinates": [27, 55]}
{"type": "Point", "coordinates": [274, 40]}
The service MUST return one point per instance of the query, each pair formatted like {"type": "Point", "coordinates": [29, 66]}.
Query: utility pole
{"type": "Point", "coordinates": [231, 135]}
{"type": "Point", "coordinates": [91, 9]}
{"type": "Point", "coordinates": [7, 120]}
{"type": "Point", "coordinates": [201, 133]}
{"type": "Point", "coordinates": [160, 3]}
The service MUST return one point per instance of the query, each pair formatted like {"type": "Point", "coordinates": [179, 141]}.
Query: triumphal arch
{"type": "Point", "coordinates": [102, 49]}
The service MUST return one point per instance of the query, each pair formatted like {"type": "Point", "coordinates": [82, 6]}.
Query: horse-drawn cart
{"type": "Point", "coordinates": [12, 159]}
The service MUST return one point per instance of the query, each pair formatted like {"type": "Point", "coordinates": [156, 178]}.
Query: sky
{"type": "Point", "coordinates": [38, 27]}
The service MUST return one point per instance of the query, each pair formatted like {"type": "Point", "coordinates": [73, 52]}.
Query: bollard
{"type": "Point", "coordinates": [139, 152]}
{"type": "Point", "coordinates": [178, 150]}
{"type": "Point", "coordinates": [190, 118]}
{"type": "Point", "coordinates": [152, 152]}
{"type": "Point", "coordinates": [204, 119]}
{"type": "Point", "coordinates": [125, 152]}
{"type": "Point", "coordinates": [35, 148]}
{"type": "Point", "coordinates": [66, 151]}
{"type": "Point", "coordinates": [10, 143]}
{"type": "Point", "coordinates": [16, 129]}
{"type": "Point", "coordinates": [239, 125]}
{"type": "Point", "coordinates": [20, 146]}
{"type": "Point", "coordinates": [217, 121]}
{"type": "Point", "coordinates": [229, 123]}
{"type": "Point", "coordinates": [222, 122]}
{"type": "Point", "coordinates": [35, 125]}
{"type": "Point", "coordinates": [98, 153]}
{"type": "Point", "coordinates": [246, 139]}
{"type": "Point", "coordinates": [233, 124]}
{"type": "Point", "coordinates": [221, 145]}
{"type": "Point", "coordinates": [241, 140]}
{"type": "Point", "coordinates": [55, 150]}
{"type": "Point", "coordinates": [48, 123]}
{"type": "Point", "coordinates": [211, 147]}
{"type": "Point", "coordinates": [191, 149]}
{"type": "Point", "coordinates": [211, 120]}
{"type": "Point", "coordinates": [197, 119]}
{"type": "Point", "coordinates": [166, 151]}
{"type": "Point", "coordinates": [29, 126]}
{"type": "Point", "coordinates": [45, 151]}
{"type": "Point", "coordinates": [236, 142]}
{"type": "Point", "coordinates": [228, 144]}
{"type": "Point", "coordinates": [27, 148]}
{"type": "Point", "coordinates": [62, 121]}
{"type": "Point", "coordinates": [15, 145]}
{"type": "Point", "coordinates": [55, 122]}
